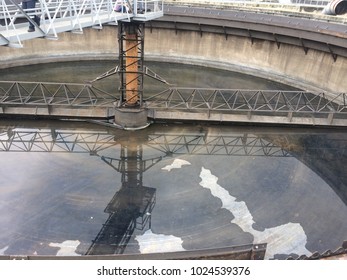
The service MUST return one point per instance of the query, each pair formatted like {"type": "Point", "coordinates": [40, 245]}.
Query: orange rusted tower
{"type": "Point", "coordinates": [131, 112]}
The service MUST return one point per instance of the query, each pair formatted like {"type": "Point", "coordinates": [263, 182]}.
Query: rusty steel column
{"type": "Point", "coordinates": [131, 64]}
{"type": "Point", "coordinates": [130, 112]}
{"type": "Point", "coordinates": [131, 42]}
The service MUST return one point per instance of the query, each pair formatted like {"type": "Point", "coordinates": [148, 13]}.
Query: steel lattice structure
{"type": "Point", "coordinates": [54, 94]}
{"type": "Point", "coordinates": [272, 103]}
{"type": "Point", "coordinates": [249, 100]}
{"type": "Point", "coordinates": [54, 99]}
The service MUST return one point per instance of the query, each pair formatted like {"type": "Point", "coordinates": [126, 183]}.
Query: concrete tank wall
{"type": "Point", "coordinates": [288, 64]}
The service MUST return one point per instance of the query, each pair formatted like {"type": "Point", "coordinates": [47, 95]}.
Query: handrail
{"type": "Point", "coordinates": [66, 15]}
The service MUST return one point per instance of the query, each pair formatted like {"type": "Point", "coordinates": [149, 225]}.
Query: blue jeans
{"type": "Point", "coordinates": [31, 5]}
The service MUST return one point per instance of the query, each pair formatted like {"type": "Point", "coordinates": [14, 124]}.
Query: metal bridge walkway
{"type": "Point", "coordinates": [58, 16]}
{"type": "Point", "coordinates": [187, 104]}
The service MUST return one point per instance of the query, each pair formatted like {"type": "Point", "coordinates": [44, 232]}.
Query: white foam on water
{"type": "Point", "coordinates": [150, 242]}
{"type": "Point", "coordinates": [67, 248]}
{"type": "Point", "coordinates": [177, 163]}
{"type": "Point", "coordinates": [289, 238]}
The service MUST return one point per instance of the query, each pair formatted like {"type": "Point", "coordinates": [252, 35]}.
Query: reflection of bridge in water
{"type": "Point", "coordinates": [131, 206]}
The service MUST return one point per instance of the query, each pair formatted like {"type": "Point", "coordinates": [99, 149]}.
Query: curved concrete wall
{"type": "Point", "coordinates": [287, 64]}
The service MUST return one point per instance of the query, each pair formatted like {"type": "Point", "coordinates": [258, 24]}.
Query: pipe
{"type": "Point", "coordinates": [336, 7]}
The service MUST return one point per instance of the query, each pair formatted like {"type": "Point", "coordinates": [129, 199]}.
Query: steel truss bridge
{"type": "Point", "coordinates": [204, 104]}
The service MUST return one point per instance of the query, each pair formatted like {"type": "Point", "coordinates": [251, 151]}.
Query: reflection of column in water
{"type": "Point", "coordinates": [131, 206]}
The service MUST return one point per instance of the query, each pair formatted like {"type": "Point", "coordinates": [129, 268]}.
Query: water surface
{"type": "Point", "coordinates": [75, 188]}
{"type": "Point", "coordinates": [169, 188]}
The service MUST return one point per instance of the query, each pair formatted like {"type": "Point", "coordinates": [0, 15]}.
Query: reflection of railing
{"type": "Point", "coordinates": [166, 144]}
{"type": "Point", "coordinates": [234, 145]}
{"type": "Point", "coordinates": [17, 140]}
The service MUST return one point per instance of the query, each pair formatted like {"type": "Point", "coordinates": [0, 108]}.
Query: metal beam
{"type": "Point", "coordinates": [209, 104]}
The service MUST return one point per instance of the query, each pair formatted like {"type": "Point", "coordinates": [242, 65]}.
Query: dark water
{"type": "Point", "coordinates": [78, 188]}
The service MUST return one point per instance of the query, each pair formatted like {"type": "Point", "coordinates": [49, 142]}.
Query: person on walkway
{"type": "Point", "coordinates": [30, 4]}
{"type": "Point", "coordinates": [122, 7]}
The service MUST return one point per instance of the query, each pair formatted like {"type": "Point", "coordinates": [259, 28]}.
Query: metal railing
{"type": "Point", "coordinates": [67, 15]}
{"type": "Point", "coordinates": [56, 16]}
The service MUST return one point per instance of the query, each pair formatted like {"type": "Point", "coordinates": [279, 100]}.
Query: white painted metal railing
{"type": "Point", "coordinates": [66, 15]}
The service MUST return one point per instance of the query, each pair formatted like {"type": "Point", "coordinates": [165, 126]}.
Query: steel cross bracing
{"type": "Point", "coordinates": [57, 99]}
{"type": "Point", "coordinates": [29, 140]}
{"type": "Point", "coordinates": [253, 102]}
{"type": "Point", "coordinates": [58, 94]}
{"type": "Point", "coordinates": [131, 68]}
{"type": "Point", "coordinates": [248, 100]}
{"type": "Point", "coordinates": [166, 144]}
{"type": "Point", "coordinates": [62, 99]}
{"type": "Point", "coordinates": [58, 16]}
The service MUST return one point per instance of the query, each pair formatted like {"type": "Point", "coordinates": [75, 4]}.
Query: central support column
{"type": "Point", "coordinates": [130, 112]}
{"type": "Point", "coordinates": [132, 71]}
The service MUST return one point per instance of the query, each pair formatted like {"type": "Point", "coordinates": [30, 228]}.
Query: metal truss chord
{"type": "Point", "coordinates": [261, 101]}
{"type": "Point", "coordinates": [44, 94]}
